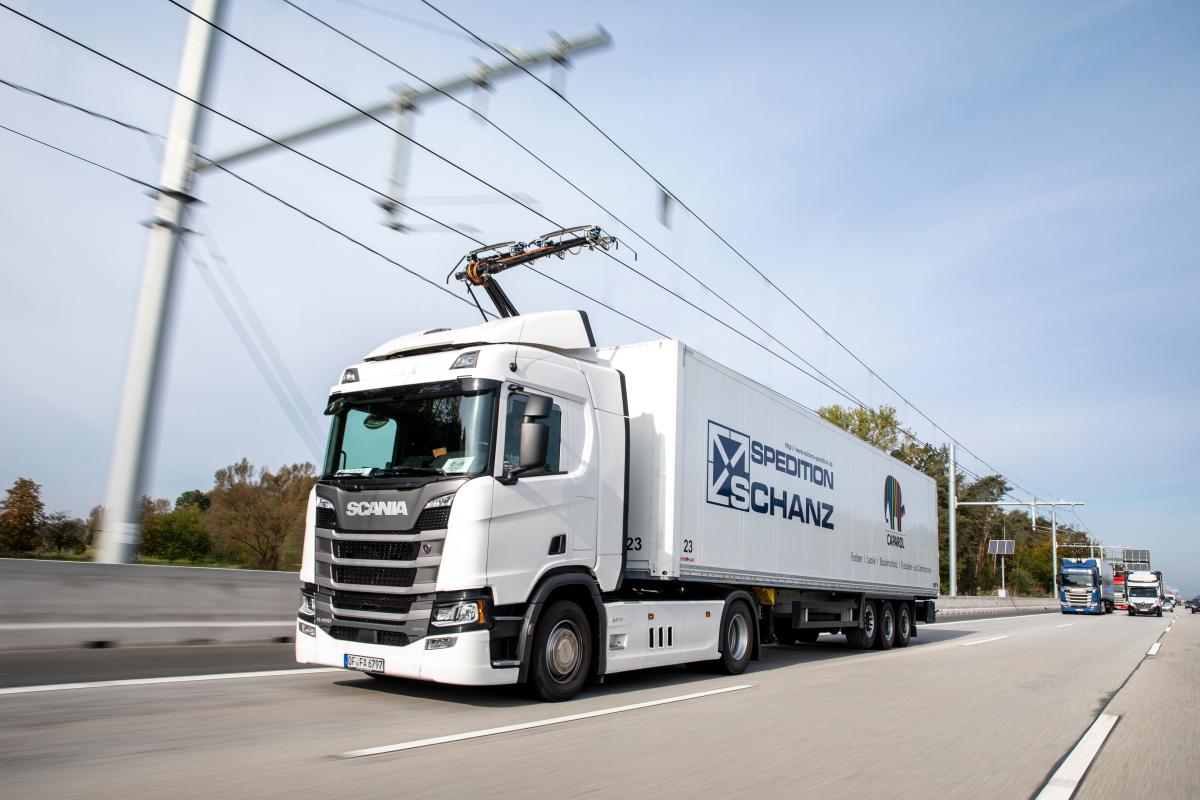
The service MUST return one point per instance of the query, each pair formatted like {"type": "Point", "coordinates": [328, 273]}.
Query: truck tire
{"type": "Point", "coordinates": [562, 653]}
{"type": "Point", "coordinates": [887, 626]}
{"type": "Point", "coordinates": [903, 624]}
{"type": "Point", "coordinates": [1158, 613]}
{"type": "Point", "coordinates": [737, 639]}
{"type": "Point", "coordinates": [863, 637]}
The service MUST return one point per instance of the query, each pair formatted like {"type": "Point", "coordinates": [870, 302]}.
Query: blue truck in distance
{"type": "Point", "coordinates": [1085, 586]}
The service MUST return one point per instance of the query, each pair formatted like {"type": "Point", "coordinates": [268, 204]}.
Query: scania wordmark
{"type": "Point", "coordinates": [509, 503]}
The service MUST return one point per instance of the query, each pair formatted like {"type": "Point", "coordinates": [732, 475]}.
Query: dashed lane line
{"type": "Point", "coordinates": [984, 641]}
{"type": "Point", "coordinates": [1066, 778]}
{"type": "Point", "coordinates": [541, 723]}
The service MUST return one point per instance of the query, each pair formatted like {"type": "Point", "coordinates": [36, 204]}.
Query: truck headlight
{"type": "Point", "coordinates": [464, 612]}
{"type": "Point", "coordinates": [440, 502]}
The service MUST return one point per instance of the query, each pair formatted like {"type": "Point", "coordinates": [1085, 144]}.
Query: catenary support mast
{"type": "Point", "coordinates": [120, 531]}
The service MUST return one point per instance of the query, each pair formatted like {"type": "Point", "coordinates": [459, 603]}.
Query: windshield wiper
{"type": "Point", "coordinates": [380, 472]}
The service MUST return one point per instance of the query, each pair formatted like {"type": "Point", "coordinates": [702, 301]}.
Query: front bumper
{"type": "Point", "coordinates": [467, 663]}
{"type": "Point", "coordinates": [1082, 610]}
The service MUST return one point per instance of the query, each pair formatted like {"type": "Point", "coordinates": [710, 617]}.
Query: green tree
{"type": "Point", "coordinates": [22, 515]}
{"type": "Point", "coordinates": [179, 535]}
{"type": "Point", "coordinates": [259, 512]}
{"type": "Point", "coordinates": [61, 533]}
{"type": "Point", "coordinates": [194, 497]}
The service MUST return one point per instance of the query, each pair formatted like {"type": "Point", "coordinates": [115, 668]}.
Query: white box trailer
{"type": "Point", "coordinates": [508, 503]}
{"type": "Point", "coordinates": [731, 481]}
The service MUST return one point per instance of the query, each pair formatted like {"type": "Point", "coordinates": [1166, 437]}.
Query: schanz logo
{"type": "Point", "coordinates": [730, 484]}
{"type": "Point", "coordinates": [388, 508]}
{"type": "Point", "coordinates": [893, 511]}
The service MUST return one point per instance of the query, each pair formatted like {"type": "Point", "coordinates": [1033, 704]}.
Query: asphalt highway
{"type": "Point", "coordinates": [975, 708]}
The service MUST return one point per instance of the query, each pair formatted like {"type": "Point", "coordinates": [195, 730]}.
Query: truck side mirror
{"type": "Point", "coordinates": [535, 438]}
{"type": "Point", "coordinates": [535, 445]}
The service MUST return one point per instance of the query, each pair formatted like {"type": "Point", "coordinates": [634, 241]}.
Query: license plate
{"type": "Point", "coordinates": [363, 663]}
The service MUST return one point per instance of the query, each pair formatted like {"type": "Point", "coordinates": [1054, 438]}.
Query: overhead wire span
{"type": "Point", "coordinates": [827, 380]}
{"type": "Point", "coordinates": [78, 157]}
{"type": "Point", "coordinates": [667, 191]}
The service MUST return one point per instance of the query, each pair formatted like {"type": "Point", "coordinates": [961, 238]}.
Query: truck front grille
{"type": "Point", "coordinates": [379, 603]}
{"type": "Point", "coordinates": [381, 551]}
{"type": "Point", "coordinates": [373, 576]}
{"type": "Point", "coordinates": [326, 518]}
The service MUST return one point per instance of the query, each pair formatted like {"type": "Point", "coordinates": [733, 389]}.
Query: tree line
{"type": "Point", "coordinates": [251, 517]}
{"type": "Point", "coordinates": [1029, 572]}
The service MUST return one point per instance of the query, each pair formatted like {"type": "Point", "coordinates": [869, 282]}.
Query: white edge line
{"type": "Point", "coordinates": [1154, 648]}
{"type": "Point", "coordinates": [58, 687]}
{"type": "Point", "coordinates": [458, 737]}
{"type": "Point", "coordinates": [1066, 778]}
{"type": "Point", "coordinates": [85, 625]}
{"type": "Point", "coordinates": [986, 619]}
{"type": "Point", "coordinates": [1069, 624]}
{"type": "Point", "coordinates": [984, 641]}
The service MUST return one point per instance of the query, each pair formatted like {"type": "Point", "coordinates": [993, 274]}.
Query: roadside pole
{"type": "Point", "coordinates": [952, 545]}
{"type": "Point", "coordinates": [120, 530]}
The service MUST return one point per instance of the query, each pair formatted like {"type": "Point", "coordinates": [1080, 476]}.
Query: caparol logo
{"type": "Point", "coordinates": [893, 511]}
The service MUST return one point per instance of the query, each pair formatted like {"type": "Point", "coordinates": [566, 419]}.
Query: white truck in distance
{"type": "Point", "coordinates": [508, 503]}
{"type": "Point", "coordinates": [1145, 593]}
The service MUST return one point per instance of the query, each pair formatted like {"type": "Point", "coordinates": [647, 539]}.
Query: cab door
{"type": "Point", "coordinates": [547, 518]}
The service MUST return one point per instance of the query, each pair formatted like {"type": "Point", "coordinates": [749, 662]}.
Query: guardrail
{"type": "Point", "coordinates": [68, 603]}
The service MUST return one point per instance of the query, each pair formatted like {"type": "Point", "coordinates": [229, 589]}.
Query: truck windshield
{"type": "Point", "coordinates": [432, 433]}
{"type": "Point", "coordinates": [1078, 579]}
{"type": "Point", "coordinates": [1143, 591]}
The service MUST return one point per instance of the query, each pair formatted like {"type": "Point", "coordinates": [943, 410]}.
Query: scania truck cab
{"type": "Point", "coordinates": [1085, 586]}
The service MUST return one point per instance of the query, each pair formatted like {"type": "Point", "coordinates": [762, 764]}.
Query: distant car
{"type": "Point", "coordinates": [1194, 604]}
{"type": "Point", "coordinates": [1169, 604]}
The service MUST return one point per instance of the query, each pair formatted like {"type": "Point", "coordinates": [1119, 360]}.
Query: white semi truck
{"type": "Point", "coordinates": [509, 503]}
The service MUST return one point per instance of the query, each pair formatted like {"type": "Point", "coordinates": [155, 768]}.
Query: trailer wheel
{"type": "Point", "coordinates": [903, 624]}
{"type": "Point", "coordinates": [562, 653]}
{"type": "Point", "coordinates": [737, 639]}
{"type": "Point", "coordinates": [863, 637]}
{"type": "Point", "coordinates": [887, 626]}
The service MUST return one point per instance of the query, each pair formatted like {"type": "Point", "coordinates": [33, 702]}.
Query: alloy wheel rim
{"type": "Point", "coordinates": [564, 650]}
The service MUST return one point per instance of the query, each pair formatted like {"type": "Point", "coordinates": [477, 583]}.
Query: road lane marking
{"type": "Point", "coordinates": [223, 676]}
{"type": "Point", "coordinates": [1069, 624]}
{"type": "Point", "coordinates": [83, 624]}
{"type": "Point", "coordinates": [1153, 651]}
{"type": "Point", "coordinates": [983, 641]}
{"type": "Point", "coordinates": [541, 723]}
{"type": "Point", "coordinates": [1066, 778]}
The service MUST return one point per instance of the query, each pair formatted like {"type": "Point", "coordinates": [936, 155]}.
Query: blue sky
{"type": "Point", "coordinates": [994, 205]}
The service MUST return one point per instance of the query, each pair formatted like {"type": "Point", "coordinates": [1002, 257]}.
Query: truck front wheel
{"type": "Point", "coordinates": [562, 653]}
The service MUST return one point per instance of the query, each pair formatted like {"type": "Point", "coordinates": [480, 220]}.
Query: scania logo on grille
{"type": "Point", "coordinates": [389, 508]}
